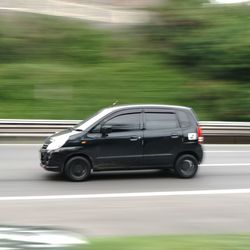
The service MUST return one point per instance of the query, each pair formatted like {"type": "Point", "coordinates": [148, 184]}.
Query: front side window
{"type": "Point", "coordinates": [126, 122]}
{"type": "Point", "coordinates": [160, 121]}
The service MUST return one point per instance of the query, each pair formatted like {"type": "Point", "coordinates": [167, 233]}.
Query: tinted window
{"type": "Point", "coordinates": [184, 120]}
{"type": "Point", "coordinates": [160, 121]}
{"type": "Point", "coordinates": [125, 122]}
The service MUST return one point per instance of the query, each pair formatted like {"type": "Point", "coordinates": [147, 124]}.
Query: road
{"type": "Point", "coordinates": [95, 11]}
{"type": "Point", "coordinates": [141, 202]}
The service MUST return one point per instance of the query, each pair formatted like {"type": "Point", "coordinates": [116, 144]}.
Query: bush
{"type": "Point", "coordinates": [205, 38]}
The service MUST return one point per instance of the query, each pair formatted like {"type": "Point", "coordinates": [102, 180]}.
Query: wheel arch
{"type": "Point", "coordinates": [79, 155]}
{"type": "Point", "coordinates": [187, 153]}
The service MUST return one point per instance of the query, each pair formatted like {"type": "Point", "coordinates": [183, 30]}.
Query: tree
{"type": "Point", "coordinates": [210, 39]}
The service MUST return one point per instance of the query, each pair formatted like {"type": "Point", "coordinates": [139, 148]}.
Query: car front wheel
{"type": "Point", "coordinates": [77, 169]}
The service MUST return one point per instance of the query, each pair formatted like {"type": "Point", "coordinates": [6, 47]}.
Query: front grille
{"type": "Point", "coordinates": [44, 157]}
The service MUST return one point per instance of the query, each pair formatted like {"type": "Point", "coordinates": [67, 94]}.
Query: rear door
{"type": "Point", "coordinates": [162, 137]}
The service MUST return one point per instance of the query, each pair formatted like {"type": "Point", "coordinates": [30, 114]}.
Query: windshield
{"type": "Point", "coordinates": [92, 119]}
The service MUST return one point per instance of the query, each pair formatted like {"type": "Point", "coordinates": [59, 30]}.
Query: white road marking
{"type": "Point", "coordinates": [224, 164]}
{"type": "Point", "coordinates": [21, 145]}
{"type": "Point", "coordinates": [128, 195]}
{"type": "Point", "coordinates": [227, 151]}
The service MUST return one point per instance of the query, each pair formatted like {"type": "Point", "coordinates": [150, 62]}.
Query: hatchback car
{"type": "Point", "coordinates": [128, 137]}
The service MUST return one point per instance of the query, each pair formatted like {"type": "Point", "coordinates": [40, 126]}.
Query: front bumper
{"type": "Point", "coordinates": [51, 168]}
{"type": "Point", "coordinates": [50, 161]}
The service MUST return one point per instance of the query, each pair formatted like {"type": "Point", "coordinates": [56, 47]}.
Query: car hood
{"type": "Point", "coordinates": [63, 135]}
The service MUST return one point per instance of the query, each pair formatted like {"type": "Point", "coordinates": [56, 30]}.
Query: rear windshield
{"type": "Point", "coordinates": [187, 118]}
{"type": "Point", "coordinates": [194, 116]}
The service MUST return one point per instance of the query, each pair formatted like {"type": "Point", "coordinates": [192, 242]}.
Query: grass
{"type": "Point", "coordinates": [204, 242]}
{"type": "Point", "coordinates": [55, 68]}
{"type": "Point", "coordinates": [63, 91]}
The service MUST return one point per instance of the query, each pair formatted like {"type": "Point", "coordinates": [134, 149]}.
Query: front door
{"type": "Point", "coordinates": [121, 148]}
{"type": "Point", "coordinates": [162, 138]}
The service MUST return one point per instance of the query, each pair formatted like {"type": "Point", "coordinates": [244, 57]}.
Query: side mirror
{"type": "Point", "coordinates": [106, 129]}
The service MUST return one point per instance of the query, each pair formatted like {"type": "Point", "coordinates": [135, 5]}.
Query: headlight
{"type": "Point", "coordinates": [57, 142]}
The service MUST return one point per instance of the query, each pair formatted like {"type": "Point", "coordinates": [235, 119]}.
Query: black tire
{"type": "Point", "coordinates": [186, 166]}
{"type": "Point", "coordinates": [77, 168]}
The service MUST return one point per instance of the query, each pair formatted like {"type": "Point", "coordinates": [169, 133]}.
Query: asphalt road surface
{"type": "Point", "coordinates": [217, 200]}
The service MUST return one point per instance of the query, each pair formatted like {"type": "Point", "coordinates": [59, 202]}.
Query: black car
{"type": "Point", "coordinates": [127, 138]}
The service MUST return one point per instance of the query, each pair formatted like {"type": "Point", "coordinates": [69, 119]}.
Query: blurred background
{"type": "Point", "coordinates": [67, 59]}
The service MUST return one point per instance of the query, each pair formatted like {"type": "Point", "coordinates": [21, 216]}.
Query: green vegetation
{"type": "Point", "coordinates": [208, 39]}
{"type": "Point", "coordinates": [204, 242]}
{"type": "Point", "coordinates": [211, 43]}
{"type": "Point", "coordinates": [55, 68]}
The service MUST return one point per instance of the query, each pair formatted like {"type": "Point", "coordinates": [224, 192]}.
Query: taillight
{"type": "Point", "coordinates": [200, 136]}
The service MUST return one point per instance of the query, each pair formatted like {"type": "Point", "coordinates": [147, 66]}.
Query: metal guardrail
{"type": "Point", "coordinates": [33, 128]}
{"type": "Point", "coordinates": [226, 128]}
{"type": "Point", "coordinates": [226, 132]}
{"type": "Point", "coordinates": [214, 131]}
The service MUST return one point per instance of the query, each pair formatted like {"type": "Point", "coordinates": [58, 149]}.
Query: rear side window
{"type": "Point", "coordinates": [160, 121]}
{"type": "Point", "coordinates": [184, 119]}
{"type": "Point", "coordinates": [126, 122]}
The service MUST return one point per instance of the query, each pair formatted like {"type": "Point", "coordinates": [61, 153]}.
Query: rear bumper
{"type": "Point", "coordinates": [200, 154]}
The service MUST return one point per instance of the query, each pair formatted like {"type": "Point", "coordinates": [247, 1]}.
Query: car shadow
{"type": "Point", "coordinates": [120, 175]}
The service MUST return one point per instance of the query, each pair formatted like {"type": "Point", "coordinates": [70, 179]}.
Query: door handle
{"type": "Point", "coordinates": [174, 136]}
{"type": "Point", "coordinates": [135, 138]}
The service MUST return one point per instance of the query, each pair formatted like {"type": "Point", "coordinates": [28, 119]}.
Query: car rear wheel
{"type": "Point", "coordinates": [186, 166]}
{"type": "Point", "coordinates": [77, 169]}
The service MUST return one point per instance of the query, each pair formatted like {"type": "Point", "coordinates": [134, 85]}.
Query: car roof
{"type": "Point", "coordinates": [122, 107]}
{"type": "Point", "coordinates": [106, 111]}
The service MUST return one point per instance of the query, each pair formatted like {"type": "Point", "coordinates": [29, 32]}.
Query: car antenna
{"type": "Point", "coordinates": [114, 103]}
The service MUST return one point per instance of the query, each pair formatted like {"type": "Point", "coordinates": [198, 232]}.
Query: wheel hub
{"type": "Point", "coordinates": [78, 170]}
{"type": "Point", "coordinates": [187, 165]}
